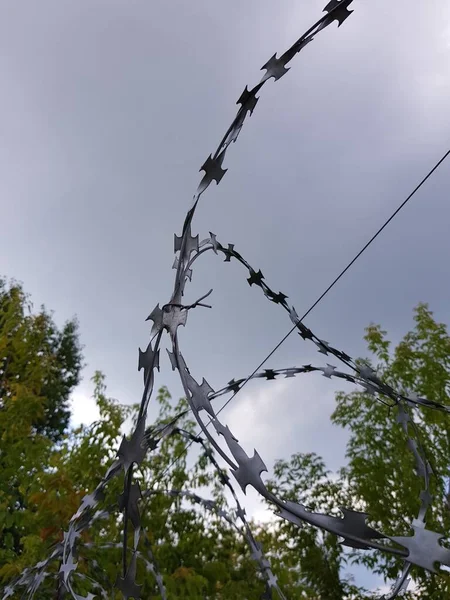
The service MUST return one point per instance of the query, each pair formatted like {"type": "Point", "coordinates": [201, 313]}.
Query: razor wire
{"type": "Point", "coordinates": [421, 549]}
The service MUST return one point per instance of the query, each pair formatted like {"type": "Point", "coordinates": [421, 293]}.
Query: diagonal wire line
{"type": "Point", "coordinates": [341, 274]}
{"type": "Point", "coordinates": [317, 301]}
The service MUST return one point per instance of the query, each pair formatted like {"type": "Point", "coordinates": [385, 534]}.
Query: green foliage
{"type": "Point", "coordinates": [38, 360]}
{"type": "Point", "coordinates": [198, 556]}
{"type": "Point", "coordinates": [380, 472]}
{"type": "Point", "coordinates": [309, 555]}
{"type": "Point", "coordinates": [379, 477]}
{"type": "Point", "coordinates": [40, 366]}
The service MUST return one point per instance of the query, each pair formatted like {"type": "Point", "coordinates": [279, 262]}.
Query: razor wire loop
{"type": "Point", "coordinates": [422, 548]}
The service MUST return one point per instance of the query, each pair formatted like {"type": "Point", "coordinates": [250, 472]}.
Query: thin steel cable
{"type": "Point", "coordinates": [317, 301]}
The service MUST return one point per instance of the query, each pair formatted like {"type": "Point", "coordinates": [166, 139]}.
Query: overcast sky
{"type": "Point", "coordinates": [110, 107]}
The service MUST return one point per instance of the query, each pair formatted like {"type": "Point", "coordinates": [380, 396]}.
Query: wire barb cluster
{"type": "Point", "coordinates": [422, 548]}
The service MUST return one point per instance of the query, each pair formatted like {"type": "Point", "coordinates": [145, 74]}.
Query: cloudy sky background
{"type": "Point", "coordinates": [109, 109]}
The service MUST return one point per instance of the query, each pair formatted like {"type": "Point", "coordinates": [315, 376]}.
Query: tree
{"type": "Point", "coordinates": [38, 359]}
{"type": "Point", "coordinates": [305, 553]}
{"type": "Point", "coordinates": [198, 556]}
{"type": "Point", "coordinates": [379, 478]}
{"type": "Point", "coordinates": [380, 464]}
{"type": "Point", "coordinates": [40, 367]}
